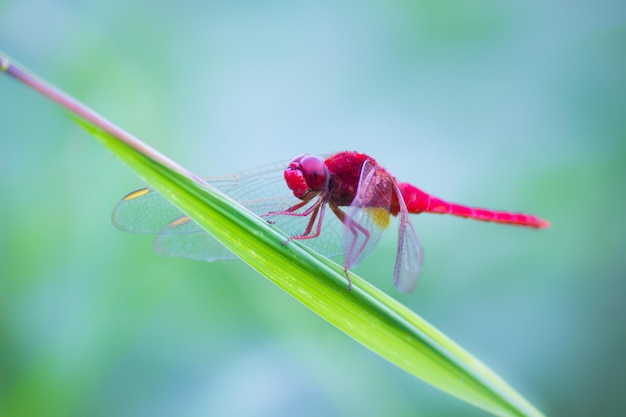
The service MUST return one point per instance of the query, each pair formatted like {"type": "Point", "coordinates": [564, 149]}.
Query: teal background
{"type": "Point", "coordinates": [506, 105]}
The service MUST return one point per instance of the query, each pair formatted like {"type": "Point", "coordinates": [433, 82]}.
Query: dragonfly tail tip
{"type": "Point", "coordinates": [544, 224]}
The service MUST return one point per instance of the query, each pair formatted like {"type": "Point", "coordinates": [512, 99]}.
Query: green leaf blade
{"type": "Point", "coordinates": [366, 314]}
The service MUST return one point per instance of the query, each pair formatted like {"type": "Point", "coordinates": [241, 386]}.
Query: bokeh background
{"type": "Point", "coordinates": [509, 105]}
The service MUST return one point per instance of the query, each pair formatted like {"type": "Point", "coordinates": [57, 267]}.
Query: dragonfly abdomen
{"type": "Point", "coordinates": [418, 201]}
{"type": "Point", "coordinates": [504, 217]}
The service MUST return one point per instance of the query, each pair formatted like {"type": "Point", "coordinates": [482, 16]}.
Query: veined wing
{"type": "Point", "coordinates": [147, 211]}
{"type": "Point", "coordinates": [410, 255]}
{"type": "Point", "coordinates": [368, 217]}
{"type": "Point", "coordinates": [370, 211]}
{"type": "Point", "coordinates": [261, 190]}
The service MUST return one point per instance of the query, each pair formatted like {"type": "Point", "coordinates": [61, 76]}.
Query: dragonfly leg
{"type": "Point", "coordinates": [288, 212]}
{"type": "Point", "coordinates": [355, 228]}
{"type": "Point", "coordinates": [317, 208]}
{"type": "Point", "coordinates": [349, 280]}
{"type": "Point", "coordinates": [320, 209]}
{"type": "Point", "coordinates": [291, 211]}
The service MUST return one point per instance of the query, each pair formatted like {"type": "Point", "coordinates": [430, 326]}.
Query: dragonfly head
{"type": "Point", "coordinates": [306, 176]}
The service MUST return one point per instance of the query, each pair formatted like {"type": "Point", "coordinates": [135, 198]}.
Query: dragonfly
{"type": "Point", "coordinates": [338, 205]}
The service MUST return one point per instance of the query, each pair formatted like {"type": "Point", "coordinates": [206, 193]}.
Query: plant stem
{"type": "Point", "coordinates": [83, 111]}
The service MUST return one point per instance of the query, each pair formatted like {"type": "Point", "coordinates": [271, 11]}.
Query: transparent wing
{"type": "Point", "coordinates": [261, 190]}
{"type": "Point", "coordinates": [410, 255]}
{"type": "Point", "coordinates": [184, 238]}
{"type": "Point", "coordinates": [190, 241]}
{"type": "Point", "coordinates": [368, 217]}
{"type": "Point", "coordinates": [144, 211]}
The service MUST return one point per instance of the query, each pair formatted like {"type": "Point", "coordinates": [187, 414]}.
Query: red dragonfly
{"type": "Point", "coordinates": [361, 195]}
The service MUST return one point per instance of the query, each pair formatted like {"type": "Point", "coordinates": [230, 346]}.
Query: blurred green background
{"type": "Point", "coordinates": [506, 105]}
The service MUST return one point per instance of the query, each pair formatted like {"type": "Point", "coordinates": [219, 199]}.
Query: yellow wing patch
{"type": "Point", "coordinates": [379, 216]}
{"type": "Point", "coordinates": [178, 222]}
{"type": "Point", "coordinates": [136, 194]}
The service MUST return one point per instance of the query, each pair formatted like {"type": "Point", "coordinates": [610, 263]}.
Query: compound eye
{"type": "Point", "coordinates": [295, 162]}
{"type": "Point", "coordinates": [314, 172]}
